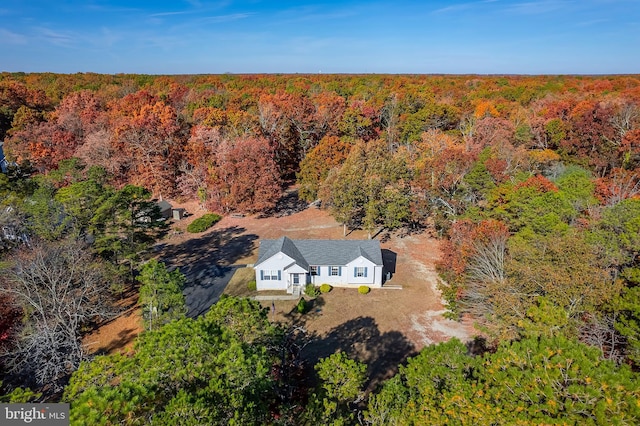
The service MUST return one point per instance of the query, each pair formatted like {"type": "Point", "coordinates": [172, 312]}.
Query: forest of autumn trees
{"type": "Point", "coordinates": [213, 137]}
{"type": "Point", "coordinates": [532, 182]}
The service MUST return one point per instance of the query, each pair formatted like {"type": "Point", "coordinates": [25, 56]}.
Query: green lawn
{"type": "Point", "coordinates": [238, 284]}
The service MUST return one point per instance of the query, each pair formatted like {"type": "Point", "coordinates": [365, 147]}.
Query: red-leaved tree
{"type": "Point", "coordinates": [245, 177]}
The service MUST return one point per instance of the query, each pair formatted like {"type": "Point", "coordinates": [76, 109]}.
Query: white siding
{"type": "Point", "coordinates": [324, 276]}
{"type": "Point", "coordinates": [277, 262]}
{"type": "Point", "coordinates": [347, 275]}
{"type": "Point", "coordinates": [373, 272]}
{"type": "Point", "coordinates": [377, 279]}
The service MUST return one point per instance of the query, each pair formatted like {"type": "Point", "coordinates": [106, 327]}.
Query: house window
{"type": "Point", "coordinates": [361, 271]}
{"type": "Point", "coordinates": [335, 271]}
{"type": "Point", "coordinates": [313, 270]}
{"type": "Point", "coordinates": [296, 278]}
{"type": "Point", "coordinates": [270, 275]}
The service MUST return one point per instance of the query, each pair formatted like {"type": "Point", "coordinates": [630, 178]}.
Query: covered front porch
{"type": "Point", "coordinates": [296, 279]}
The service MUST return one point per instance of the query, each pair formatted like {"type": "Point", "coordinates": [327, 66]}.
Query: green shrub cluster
{"type": "Point", "coordinates": [203, 223]}
{"type": "Point", "coordinates": [363, 289]}
{"type": "Point", "coordinates": [302, 306]}
{"type": "Point", "coordinates": [325, 288]}
{"type": "Point", "coordinates": [251, 285]}
{"type": "Point", "coordinates": [311, 290]}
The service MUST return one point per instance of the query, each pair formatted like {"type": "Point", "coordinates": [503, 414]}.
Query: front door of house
{"type": "Point", "coordinates": [295, 280]}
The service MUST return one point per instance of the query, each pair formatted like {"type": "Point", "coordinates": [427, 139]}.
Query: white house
{"type": "Point", "coordinates": [3, 160]}
{"type": "Point", "coordinates": [286, 264]}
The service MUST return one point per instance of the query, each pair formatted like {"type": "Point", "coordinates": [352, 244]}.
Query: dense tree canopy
{"type": "Point", "coordinates": [211, 370]}
{"type": "Point", "coordinates": [370, 190]}
{"type": "Point", "coordinates": [161, 297]}
{"type": "Point", "coordinates": [540, 381]}
{"type": "Point", "coordinates": [137, 128]}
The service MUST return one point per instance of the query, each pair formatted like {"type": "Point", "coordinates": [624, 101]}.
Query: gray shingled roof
{"type": "Point", "coordinates": [321, 252]}
{"type": "Point", "coordinates": [164, 205]}
{"type": "Point", "coordinates": [285, 245]}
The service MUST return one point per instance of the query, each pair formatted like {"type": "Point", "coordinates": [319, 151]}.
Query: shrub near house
{"type": "Point", "coordinates": [203, 223]}
{"type": "Point", "coordinates": [311, 290]}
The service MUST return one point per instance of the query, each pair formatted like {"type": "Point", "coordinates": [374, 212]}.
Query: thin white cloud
{"type": "Point", "coordinates": [9, 37]}
{"type": "Point", "coordinates": [590, 23]}
{"type": "Point", "coordinates": [224, 18]}
{"type": "Point", "coordinates": [94, 7]}
{"type": "Point", "coordinates": [184, 12]}
{"type": "Point", "coordinates": [58, 38]}
{"type": "Point", "coordinates": [537, 7]}
{"type": "Point", "coordinates": [461, 7]}
{"type": "Point", "coordinates": [325, 16]}
{"type": "Point", "coordinates": [196, 7]}
{"type": "Point", "coordinates": [614, 1]}
{"type": "Point", "coordinates": [108, 38]}
{"type": "Point", "coordinates": [314, 14]}
{"type": "Point", "coordinates": [521, 8]}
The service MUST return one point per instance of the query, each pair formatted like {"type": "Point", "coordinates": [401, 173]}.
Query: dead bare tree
{"type": "Point", "coordinates": [12, 229]}
{"type": "Point", "coordinates": [467, 128]}
{"type": "Point", "coordinates": [624, 120]}
{"type": "Point", "coordinates": [622, 184]}
{"type": "Point", "coordinates": [61, 289]}
{"type": "Point", "coordinates": [488, 292]}
{"type": "Point", "coordinates": [487, 261]}
{"type": "Point", "coordinates": [390, 117]}
{"type": "Point", "coordinates": [599, 331]}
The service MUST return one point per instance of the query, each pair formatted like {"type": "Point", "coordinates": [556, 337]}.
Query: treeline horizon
{"type": "Point", "coordinates": [328, 74]}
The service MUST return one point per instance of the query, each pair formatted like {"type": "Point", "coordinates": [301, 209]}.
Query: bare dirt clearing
{"type": "Point", "coordinates": [118, 334]}
{"type": "Point", "coordinates": [381, 328]}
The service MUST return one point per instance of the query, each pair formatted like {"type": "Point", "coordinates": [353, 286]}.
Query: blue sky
{"type": "Point", "coordinates": [200, 36]}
